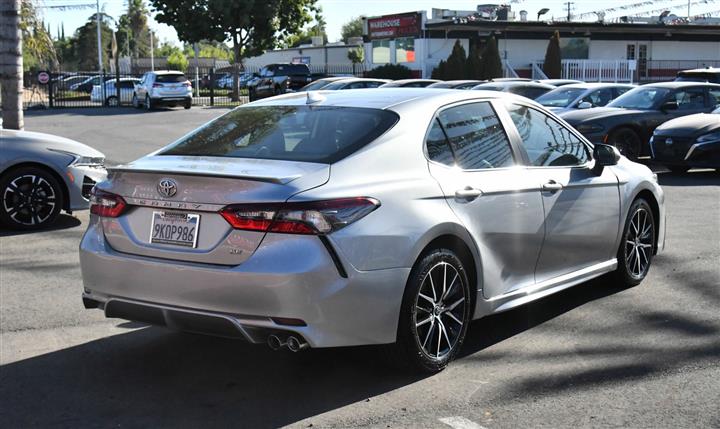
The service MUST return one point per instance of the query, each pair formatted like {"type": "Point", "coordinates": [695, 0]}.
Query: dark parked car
{"type": "Point", "coordinates": [456, 84]}
{"type": "Point", "coordinates": [629, 121]}
{"type": "Point", "coordinates": [410, 83]}
{"type": "Point", "coordinates": [582, 96]}
{"type": "Point", "coordinates": [275, 79]}
{"type": "Point", "coordinates": [709, 74]}
{"type": "Point", "coordinates": [355, 83]}
{"type": "Point", "coordinates": [687, 142]}
{"type": "Point", "coordinates": [528, 89]}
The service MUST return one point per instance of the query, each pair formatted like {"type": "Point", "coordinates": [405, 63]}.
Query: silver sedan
{"type": "Point", "coordinates": [41, 175]}
{"type": "Point", "coordinates": [391, 216]}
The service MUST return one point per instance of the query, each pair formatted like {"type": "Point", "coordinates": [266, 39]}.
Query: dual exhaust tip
{"type": "Point", "coordinates": [293, 343]}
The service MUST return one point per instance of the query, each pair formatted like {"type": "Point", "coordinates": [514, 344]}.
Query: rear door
{"type": "Point", "coordinates": [581, 208]}
{"type": "Point", "coordinates": [477, 168]}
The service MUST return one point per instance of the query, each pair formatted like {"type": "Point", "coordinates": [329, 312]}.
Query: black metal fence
{"type": "Point", "coordinates": [211, 87]}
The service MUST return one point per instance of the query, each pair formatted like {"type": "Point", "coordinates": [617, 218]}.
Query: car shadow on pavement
{"type": "Point", "coordinates": [152, 377]}
{"type": "Point", "coordinates": [691, 178]}
{"type": "Point", "coordinates": [63, 222]}
{"type": "Point", "coordinates": [111, 111]}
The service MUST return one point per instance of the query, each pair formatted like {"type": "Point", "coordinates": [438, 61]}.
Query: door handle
{"type": "Point", "coordinates": [468, 193]}
{"type": "Point", "coordinates": [552, 186]}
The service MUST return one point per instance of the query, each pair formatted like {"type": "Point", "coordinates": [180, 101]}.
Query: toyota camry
{"type": "Point", "coordinates": [391, 217]}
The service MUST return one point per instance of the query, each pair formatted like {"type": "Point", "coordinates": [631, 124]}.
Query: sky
{"type": "Point", "coordinates": [338, 12]}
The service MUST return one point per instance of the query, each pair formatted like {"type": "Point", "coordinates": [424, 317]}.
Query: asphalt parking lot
{"type": "Point", "coordinates": [595, 355]}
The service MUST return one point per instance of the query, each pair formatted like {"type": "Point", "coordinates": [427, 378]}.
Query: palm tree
{"type": "Point", "coordinates": [11, 64]}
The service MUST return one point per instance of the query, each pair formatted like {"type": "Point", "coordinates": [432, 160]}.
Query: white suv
{"type": "Point", "coordinates": [170, 88]}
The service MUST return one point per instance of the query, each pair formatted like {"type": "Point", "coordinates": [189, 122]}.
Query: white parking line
{"type": "Point", "coordinates": [459, 422]}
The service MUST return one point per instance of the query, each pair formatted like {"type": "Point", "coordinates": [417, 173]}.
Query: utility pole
{"type": "Point", "coordinates": [11, 65]}
{"type": "Point", "coordinates": [152, 53]}
{"type": "Point", "coordinates": [99, 46]}
{"type": "Point", "coordinates": [569, 8]}
{"type": "Point", "coordinates": [688, 11]}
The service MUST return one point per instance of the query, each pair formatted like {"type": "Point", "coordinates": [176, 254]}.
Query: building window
{"type": "Point", "coordinates": [405, 50]}
{"type": "Point", "coordinates": [381, 51]}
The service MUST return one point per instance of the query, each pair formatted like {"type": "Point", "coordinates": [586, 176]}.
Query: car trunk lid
{"type": "Point", "coordinates": [202, 186]}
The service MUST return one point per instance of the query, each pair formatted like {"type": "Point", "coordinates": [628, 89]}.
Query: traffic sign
{"type": "Point", "coordinates": [43, 77]}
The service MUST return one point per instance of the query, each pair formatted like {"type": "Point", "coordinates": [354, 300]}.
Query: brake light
{"type": "Point", "coordinates": [157, 85]}
{"type": "Point", "coordinates": [316, 217]}
{"type": "Point", "coordinates": [105, 204]}
{"type": "Point", "coordinates": [188, 84]}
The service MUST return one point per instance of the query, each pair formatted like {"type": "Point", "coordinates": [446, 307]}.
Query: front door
{"type": "Point", "coordinates": [581, 208]}
{"type": "Point", "coordinates": [477, 168]}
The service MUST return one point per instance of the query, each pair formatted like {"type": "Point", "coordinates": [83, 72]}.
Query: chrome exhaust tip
{"type": "Point", "coordinates": [295, 345]}
{"type": "Point", "coordinates": [275, 343]}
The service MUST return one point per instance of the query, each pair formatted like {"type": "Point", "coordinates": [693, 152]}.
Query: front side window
{"type": "Point", "coordinates": [600, 98]}
{"type": "Point", "coordinates": [381, 51]}
{"type": "Point", "coordinates": [546, 141]}
{"type": "Point", "coordinates": [323, 134]}
{"type": "Point", "coordinates": [405, 50]}
{"type": "Point", "coordinates": [477, 138]}
{"type": "Point", "coordinates": [641, 98]}
{"type": "Point", "coordinates": [690, 99]}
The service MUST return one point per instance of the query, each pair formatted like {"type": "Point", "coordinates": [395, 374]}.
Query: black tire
{"type": "Point", "coordinates": [187, 105]}
{"type": "Point", "coordinates": [415, 339]}
{"type": "Point", "coordinates": [148, 103]}
{"type": "Point", "coordinates": [30, 198]}
{"type": "Point", "coordinates": [634, 260]}
{"type": "Point", "coordinates": [678, 169]}
{"type": "Point", "coordinates": [251, 95]}
{"type": "Point", "coordinates": [627, 141]}
{"type": "Point", "coordinates": [112, 101]}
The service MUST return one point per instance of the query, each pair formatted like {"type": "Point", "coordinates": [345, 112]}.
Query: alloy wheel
{"type": "Point", "coordinates": [29, 200]}
{"type": "Point", "coordinates": [627, 143]}
{"type": "Point", "coordinates": [440, 308]}
{"type": "Point", "coordinates": [639, 243]}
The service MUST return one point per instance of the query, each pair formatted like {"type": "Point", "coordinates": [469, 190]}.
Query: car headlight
{"type": "Point", "coordinates": [82, 161]}
{"type": "Point", "coordinates": [590, 128]}
{"type": "Point", "coordinates": [709, 137]}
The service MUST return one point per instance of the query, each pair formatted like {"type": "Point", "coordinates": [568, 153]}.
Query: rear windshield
{"type": "Point", "coordinates": [699, 77]}
{"type": "Point", "coordinates": [170, 78]}
{"type": "Point", "coordinates": [322, 134]}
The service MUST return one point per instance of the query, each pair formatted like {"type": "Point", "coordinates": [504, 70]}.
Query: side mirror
{"type": "Point", "coordinates": [605, 155]}
{"type": "Point", "coordinates": [585, 105]}
{"type": "Point", "coordinates": [669, 105]}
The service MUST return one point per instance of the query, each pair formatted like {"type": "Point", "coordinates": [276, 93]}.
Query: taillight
{"type": "Point", "coordinates": [105, 204]}
{"type": "Point", "coordinates": [316, 217]}
{"type": "Point", "coordinates": [187, 84]}
{"type": "Point", "coordinates": [157, 85]}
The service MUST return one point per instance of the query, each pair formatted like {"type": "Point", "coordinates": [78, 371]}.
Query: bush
{"type": "Point", "coordinates": [491, 63]}
{"type": "Point", "coordinates": [439, 71]}
{"type": "Point", "coordinates": [456, 66]}
{"type": "Point", "coordinates": [390, 71]}
{"type": "Point", "coordinates": [473, 66]}
{"type": "Point", "coordinates": [177, 61]}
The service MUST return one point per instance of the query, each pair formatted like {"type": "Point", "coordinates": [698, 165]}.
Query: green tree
{"type": "Point", "coordinates": [553, 60]}
{"type": "Point", "coordinates": [473, 66]}
{"type": "Point", "coordinates": [84, 43]}
{"type": "Point", "coordinates": [356, 56]}
{"type": "Point", "coordinates": [352, 28]}
{"type": "Point", "coordinates": [38, 48]}
{"type": "Point", "coordinates": [440, 71]}
{"type": "Point", "coordinates": [455, 65]}
{"type": "Point", "coordinates": [252, 26]}
{"type": "Point", "coordinates": [133, 32]}
{"type": "Point", "coordinates": [491, 64]}
{"type": "Point", "coordinates": [390, 71]}
{"type": "Point", "coordinates": [208, 49]}
{"type": "Point", "coordinates": [177, 61]}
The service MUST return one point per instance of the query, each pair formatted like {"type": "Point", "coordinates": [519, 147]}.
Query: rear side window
{"type": "Point", "coordinates": [322, 134]}
{"type": "Point", "coordinates": [438, 148]}
{"type": "Point", "coordinates": [170, 78]}
{"type": "Point", "coordinates": [476, 136]}
{"type": "Point", "coordinates": [292, 70]}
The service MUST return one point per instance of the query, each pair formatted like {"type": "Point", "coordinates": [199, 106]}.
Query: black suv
{"type": "Point", "coordinates": [277, 79]}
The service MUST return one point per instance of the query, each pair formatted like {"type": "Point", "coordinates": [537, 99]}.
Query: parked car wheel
{"type": "Point", "coordinates": [635, 253]}
{"type": "Point", "coordinates": [31, 198]}
{"type": "Point", "coordinates": [112, 102]}
{"type": "Point", "coordinates": [148, 104]}
{"type": "Point", "coordinates": [135, 101]}
{"type": "Point", "coordinates": [187, 105]}
{"type": "Point", "coordinates": [627, 141]}
{"type": "Point", "coordinates": [435, 313]}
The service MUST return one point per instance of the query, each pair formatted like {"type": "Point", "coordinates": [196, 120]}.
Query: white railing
{"type": "Point", "coordinates": [508, 70]}
{"type": "Point", "coordinates": [592, 70]}
{"type": "Point", "coordinates": [537, 71]}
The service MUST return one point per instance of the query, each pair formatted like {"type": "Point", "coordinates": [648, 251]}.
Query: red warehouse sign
{"type": "Point", "coordinates": [391, 26]}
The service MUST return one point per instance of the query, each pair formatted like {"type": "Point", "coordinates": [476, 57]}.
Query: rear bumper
{"type": "Point", "coordinates": [288, 276]}
{"type": "Point", "coordinates": [180, 99]}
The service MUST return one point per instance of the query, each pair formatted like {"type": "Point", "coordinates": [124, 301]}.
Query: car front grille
{"type": "Point", "coordinates": [675, 150]}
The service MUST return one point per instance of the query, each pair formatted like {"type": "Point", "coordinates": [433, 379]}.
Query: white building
{"type": "Point", "coordinates": [591, 51]}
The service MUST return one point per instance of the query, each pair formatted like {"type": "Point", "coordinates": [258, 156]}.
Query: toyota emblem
{"type": "Point", "coordinates": [167, 187]}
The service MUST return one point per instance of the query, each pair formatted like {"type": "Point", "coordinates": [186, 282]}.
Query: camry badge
{"type": "Point", "coordinates": [167, 187]}
{"type": "Point", "coordinates": [668, 141]}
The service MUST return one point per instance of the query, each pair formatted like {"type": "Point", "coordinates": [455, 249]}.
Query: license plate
{"type": "Point", "coordinates": [179, 229]}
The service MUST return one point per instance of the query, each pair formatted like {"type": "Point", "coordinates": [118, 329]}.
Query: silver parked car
{"type": "Point", "coordinates": [168, 88]}
{"type": "Point", "coordinates": [582, 96]}
{"type": "Point", "coordinates": [41, 175]}
{"type": "Point", "coordinates": [392, 216]}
